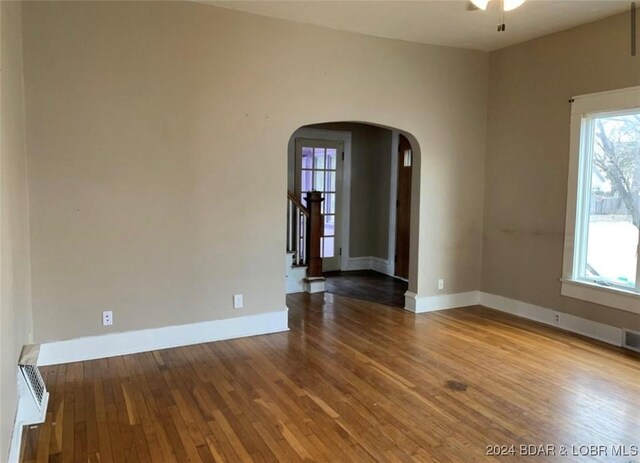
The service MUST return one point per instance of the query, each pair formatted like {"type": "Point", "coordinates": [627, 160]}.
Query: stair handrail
{"type": "Point", "coordinates": [294, 199]}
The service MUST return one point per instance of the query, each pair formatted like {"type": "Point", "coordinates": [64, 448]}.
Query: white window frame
{"type": "Point", "coordinates": [572, 285]}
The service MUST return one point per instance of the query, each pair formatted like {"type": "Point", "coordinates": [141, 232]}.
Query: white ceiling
{"type": "Point", "coordinates": [440, 22]}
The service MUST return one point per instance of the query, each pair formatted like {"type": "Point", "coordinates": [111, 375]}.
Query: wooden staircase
{"type": "Point", "coordinates": [304, 230]}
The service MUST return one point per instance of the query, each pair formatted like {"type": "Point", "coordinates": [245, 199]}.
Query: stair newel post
{"type": "Point", "coordinates": [314, 233]}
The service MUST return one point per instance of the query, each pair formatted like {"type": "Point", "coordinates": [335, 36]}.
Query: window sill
{"type": "Point", "coordinates": [603, 295]}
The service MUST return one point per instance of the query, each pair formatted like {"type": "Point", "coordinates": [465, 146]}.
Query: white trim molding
{"type": "Point", "coordinates": [393, 197]}
{"type": "Point", "coordinates": [132, 342]}
{"type": "Point", "coordinates": [598, 294]}
{"type": "Point", "coordinates": [381, 265]}
{"type": "Point", "coordinates": [421, 304]}
{"type": "Point", "coordinates": [600, 331]}
{"type": "Point", "coordinates": [27, 414]}
{"type": "Point", "coordinates": [315, 285]}
{"type": "Point", "coordinates": [369, 263]}
{"type": "Point", "coordinates": [575, 283]}
{"type": "Point", "coordinates": [589, 328]}
{"type": "Point", "coordinates": [293, 287]}
{"type": "Point", "coordinates": [358, 263]}
{"type": "Point", "coordinates": [294, 276]}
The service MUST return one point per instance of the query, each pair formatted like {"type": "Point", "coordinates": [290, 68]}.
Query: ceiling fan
{"type": "Point", "coordinates": [505, 5]}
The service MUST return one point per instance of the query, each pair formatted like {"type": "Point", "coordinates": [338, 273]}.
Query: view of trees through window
{"type": "Point", "coordinates": [614, 203]}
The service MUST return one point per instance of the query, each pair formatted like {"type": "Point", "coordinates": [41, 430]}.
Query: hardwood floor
{"type": "Point", "coordinates": [367, 285]}
{"type": "Point", "coordinates": [351, 381]}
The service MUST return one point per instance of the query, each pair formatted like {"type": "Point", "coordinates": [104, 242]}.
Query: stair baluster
{"type": "Point", "coordinates": [297, 223]}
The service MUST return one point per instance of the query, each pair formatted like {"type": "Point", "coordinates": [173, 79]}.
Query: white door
{"type": "Point", "coordinates": [319, 168]}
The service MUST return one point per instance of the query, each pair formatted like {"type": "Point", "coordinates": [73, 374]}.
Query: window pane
{"type": "Point", "coordinates": [327, 247]}
{"type": "Point", "coordinates": [318, 158]}
{"type": "Point", "coordinates": [331, 181]}
{"type": "Point", "coordinates": [331, 158]}
{"type": "Point", "coordinates": [306, 180]}
{"type": "Point", "coordinates": [614, 199]}
{"type": "Point", "coordinates": [611, 251]}
{"type": "Point", "coordinates": [318, 181]}
{"type": "Point", "coordinates": [329, 203]}
{"type": "Point", "coordinates": [329, 225]}
{"type": "Point", "coordinates": [307, 158]}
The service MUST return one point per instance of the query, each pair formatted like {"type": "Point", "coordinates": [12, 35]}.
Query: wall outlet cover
{"type": "Point", "coordinates": [107, 318]}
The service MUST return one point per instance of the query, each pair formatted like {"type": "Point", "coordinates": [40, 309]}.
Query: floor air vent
{"type": "Point", "coordinates": [631, 340]}
{"type": "Point", "coordinates": [32, 397]}
{"type": "Point", "coordinates": [31, 376]}
{"type": "Point", "coordinates": [35, 382]}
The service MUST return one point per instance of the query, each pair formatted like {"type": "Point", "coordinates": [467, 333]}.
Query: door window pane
{"type": "Point", "coordinates": [331, 158]}
{"type": "Point", "coordinates": [331, 181]}
{"type": "Point", "coordinates": [318, 180]}
{"type": "Point", "coordinates": [306, 180]}
{"type": "Point", "coordinates": [329, 225]}
{"type": "Point", "coordinates": [307, 158]}
{"type": "Point", "coordinates": [318, 158]}
{"type": "Point", "coordinates": [613, 200]}
{"type": "Point", "coordinates": [329, 203]}
{"type": "Point", "coordinates": [327, 247]}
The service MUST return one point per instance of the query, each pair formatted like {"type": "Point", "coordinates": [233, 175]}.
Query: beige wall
{"type": "Point", "coordinates": [528, 155]}
{"type": "Point", "coordinates": [380, 191]}
{"type": "Point", "coordinates": [15, 303]}
{"type": "Point", "coordinates": [157, 136]}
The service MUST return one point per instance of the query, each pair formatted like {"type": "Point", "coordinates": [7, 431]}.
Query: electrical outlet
{"type": "Point", "coordinates": [107, 318]}
{"type": "Point", "coordinates": [237, 301]}
{"type": "Point", "coordinates": [557, 318]}
{"type": "Point", "coordinates": [440, 283]}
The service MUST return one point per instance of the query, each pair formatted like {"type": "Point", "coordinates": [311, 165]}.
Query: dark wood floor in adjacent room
{"type": "Point", "coordinates": [367, 285]}
{"type": "Point", "coordinates": [351, 381]}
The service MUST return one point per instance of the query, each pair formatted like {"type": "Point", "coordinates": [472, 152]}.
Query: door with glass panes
{"type": "Point", "coordinates": [319, 168]}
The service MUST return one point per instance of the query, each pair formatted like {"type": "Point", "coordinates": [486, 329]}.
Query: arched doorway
{"type": "Point", "coordinates": [364, 172]}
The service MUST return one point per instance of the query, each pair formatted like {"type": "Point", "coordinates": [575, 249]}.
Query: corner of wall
{"type": "Point", "coordinates": [16, 317]}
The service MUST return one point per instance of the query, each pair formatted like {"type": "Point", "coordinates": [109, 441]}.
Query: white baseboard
{"type": "Point", "coordinates": [294, 276]}
{"type": "Point", "coordinates": [380, 265]}
{"type": "Point", "coordinates": [417, 304]}
{"type": "Point", "coordinates": [132, 342]}
{"type": "Point", "coordinates": [315, 285]}
{"type": "Point", "coordinates": [27, 413]}
{"type": "Point", "coordinates": [15, 442]}
{"type": "Point", "coordinates": [358, 263]}
{"type": "Point", "coordinates": [589, 328]}
{"type": "Point", "coordinates": [295, 280]}
{"type": "Point", "coordinates": [368, 263]}
{"type": "Point", "coordinates": [293, 287]}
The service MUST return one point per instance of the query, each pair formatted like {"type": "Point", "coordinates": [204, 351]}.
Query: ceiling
{"type": "Point", "coordinates": [441, 22]}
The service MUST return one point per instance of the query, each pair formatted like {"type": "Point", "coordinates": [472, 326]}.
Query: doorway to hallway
{"type": "Point", "coordinates": [362, 174]}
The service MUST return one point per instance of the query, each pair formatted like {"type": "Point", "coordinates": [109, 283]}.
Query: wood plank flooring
{"type": "Point", "coordinates": [351, 381]}
{"type": "Point", "coordinates": [368, 286]}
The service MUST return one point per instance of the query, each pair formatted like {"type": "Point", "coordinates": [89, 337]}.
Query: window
{"type": "Point", "coordinates": [601, 262]}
